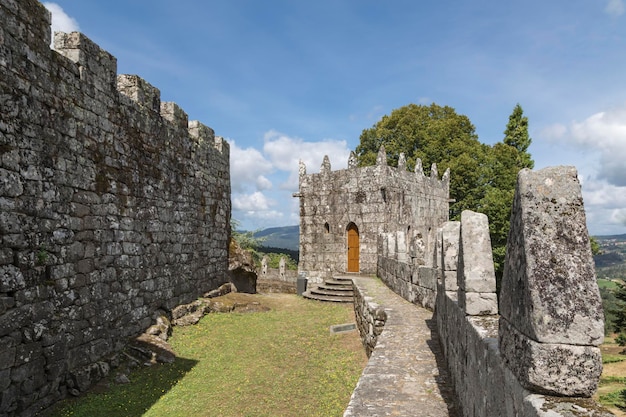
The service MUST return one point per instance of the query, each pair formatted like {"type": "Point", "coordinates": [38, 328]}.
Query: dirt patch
{"type": "Point", "coordinates": [275, 286]}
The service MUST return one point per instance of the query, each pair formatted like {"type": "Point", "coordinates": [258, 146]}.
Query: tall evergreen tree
{"type": "Point", "coordinates": [507, 159]}
{"type": "Point", "coordinates": [516, 135]}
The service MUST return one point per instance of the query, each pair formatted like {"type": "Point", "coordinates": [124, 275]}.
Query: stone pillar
{"type": "Point", "coordinates": [551, 320]}
{"type": "Point", "coordinates": [476, 275]}
{"type": "Point", "coordinates": [264, 266]}
{"type": "Point", "coordinates": [450, 238]}
{"type": "Point", "coordinates": [281, 268]}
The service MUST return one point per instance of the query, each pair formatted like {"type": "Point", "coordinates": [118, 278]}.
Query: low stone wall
{"type": "Point", "coordinates": [275, 274]}
{"type": "Point", "coordinates": [415, 283]}
{"type": "Point", "coordinates": [370, 318]}
{"type": "Point", "coordinates": [483, 383]}
{"type": "Point", "coordinates": [277, 280]}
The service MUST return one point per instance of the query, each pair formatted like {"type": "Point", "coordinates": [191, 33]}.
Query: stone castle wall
{"type": "Point", "coordinates": [112, 205]}
{"type": "Point", "coordinates": [377, 199]}
{"type": "Point", "coordinates": [536, 354]}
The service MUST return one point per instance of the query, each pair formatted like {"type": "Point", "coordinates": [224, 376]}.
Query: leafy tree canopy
{"type": "Point", "coordinates": [483, 177]}
{"type": "Point", "coordinates": [433, 134]}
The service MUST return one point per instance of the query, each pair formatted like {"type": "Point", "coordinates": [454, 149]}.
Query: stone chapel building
{"type": "Point", "coordinates": [343, 213]}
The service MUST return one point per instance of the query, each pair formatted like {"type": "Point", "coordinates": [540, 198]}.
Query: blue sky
{"type": "Point", "coordinates": [284, 80]}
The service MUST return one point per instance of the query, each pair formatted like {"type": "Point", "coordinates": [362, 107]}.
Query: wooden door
{"type": "Point", "coordinates": [353, 248]}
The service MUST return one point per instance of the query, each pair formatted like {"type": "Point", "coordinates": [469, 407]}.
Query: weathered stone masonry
{"type": "Point", "coordinates": [376, 200]}
{"type": "Point", "coordinates": [112, 205]}
{"type": "Point", "coordinates": [536, 354]}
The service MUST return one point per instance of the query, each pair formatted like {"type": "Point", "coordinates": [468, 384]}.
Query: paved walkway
{"type": "Point", "coordinates": [405, 375]}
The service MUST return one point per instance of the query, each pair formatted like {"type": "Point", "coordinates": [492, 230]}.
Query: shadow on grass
{"type": "Point", "coordinates": [148, 385]}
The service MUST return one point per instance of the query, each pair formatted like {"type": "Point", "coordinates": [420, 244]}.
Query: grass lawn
{"type": "Point", "coordinates": [283, 362]}
{"type": "Point", "coordinates": [612, 389]}
{"type": "Point", "coordinates": [607, 283]}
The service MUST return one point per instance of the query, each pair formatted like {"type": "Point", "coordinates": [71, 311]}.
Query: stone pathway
{"type": "Point", "coordinates": [405, 375]}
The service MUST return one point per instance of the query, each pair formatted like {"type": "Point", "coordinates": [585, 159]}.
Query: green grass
{"type": "Point", "coordinates": [283, 362]}
{"type": "Point", "coordinates": [615, 399]}
{"type": "Point", "coordinates": [607, 358]}
{"type": "Point", "coordinates": [612, 391]}
{"type": "Point", "coordinates": [607, 283]}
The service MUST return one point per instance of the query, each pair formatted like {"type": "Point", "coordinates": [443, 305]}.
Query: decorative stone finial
{"type": "Point", "coordinates": [418, 167]}
{"type": "Point", "coordinates": [301, 168]}
{"type": "Point", "coordinates": [402, 162]}
{"type": "Point", "coordinates": [433, 171]}
{"type": "Point", "coordinates": [446, 175]}
{"type": "Point", "coordinates": [325, 168]}
{"type": "Point", "coordinates": [381, 159]}
{"type": "Point", "coordinates": [352, 161]}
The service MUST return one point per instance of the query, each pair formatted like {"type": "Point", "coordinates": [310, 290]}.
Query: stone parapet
{"type": "Point", "coordinates": [476, 278]}
{"type": "Point", "coordinates": [484, 384]}
{"type": "Point", "coordinates": [550, 302]}
{"type": "Point", "coordinates": [549, 292]}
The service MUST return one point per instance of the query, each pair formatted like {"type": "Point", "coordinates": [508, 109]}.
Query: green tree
{"type": "Point", "coordinates": [618, 312]}
{"type": "Point", "coordinates": [483, 177]}
{"type": "Point", "coordinates": [595, 246]}
{"type": "Point", "coordinates": [245, 240]}
{"type": "Point", "coordinates": [507, 158]}
{"type": "Point", "coordinates": [516, 135]}
{"type": "Point", "coordinates": [433, 134]}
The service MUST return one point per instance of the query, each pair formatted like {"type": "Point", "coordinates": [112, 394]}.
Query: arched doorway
{"type": "Point", "coordinates": [353, 248]}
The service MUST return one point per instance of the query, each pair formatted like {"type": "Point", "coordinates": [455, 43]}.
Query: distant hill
{"type": "Point", "coordinates": [287, 237]}
{"type": "Point", "coordinates": [611, 262]}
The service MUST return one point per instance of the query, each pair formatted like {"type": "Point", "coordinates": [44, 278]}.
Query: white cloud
{"type": "Point", "coordinates": [618, 216]}
{"type": "Point", "coordinates": [248, 167]}
{"type": "Point", "coordinates": [61, 22]}
{"type": "Point", "coordinates": [262, 183]}
{"type": "Point", "coordinates": [603, 133]}
{"type": "Point", "coordinates": [285, 153]}
{"type": "Point", "coordinates": [605, 205]}
{"type": "Point", "coordinates": [615, 7]}
{"type": "Point", "coordinates": [257, 201]}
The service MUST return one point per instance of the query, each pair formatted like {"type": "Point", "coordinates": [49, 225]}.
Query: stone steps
{"type": "Point", "coordinates": [336, 289]}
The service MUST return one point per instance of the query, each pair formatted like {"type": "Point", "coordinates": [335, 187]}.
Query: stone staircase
{"type": "Point", "coordinates": [337, 289]}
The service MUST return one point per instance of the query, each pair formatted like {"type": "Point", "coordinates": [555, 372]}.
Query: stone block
{"type": "Point", "coordinates": [549, 290]}
{"type": "Point", "coordinates": [427, 277]}
{"type": "Point", "coordinates": [450, 234]}
{"type": "Point", "coordinates": [140, 91]}
{"type": "Point", "coordinates": [550, 368]}
{"type": "Point", "coordinates": [476, 272]}
{"type": "Point", "coordinates": [11, 279]}
{"type": "Point", "coordinates": [478, 304]}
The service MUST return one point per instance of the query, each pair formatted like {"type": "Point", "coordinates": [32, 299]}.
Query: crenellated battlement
{"type": "Point", "coordinates": [372, 200]}
{"type": "Point", "coordinates": [113, 205]}
{"type": "Point", "coordinates": [381, 161]}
